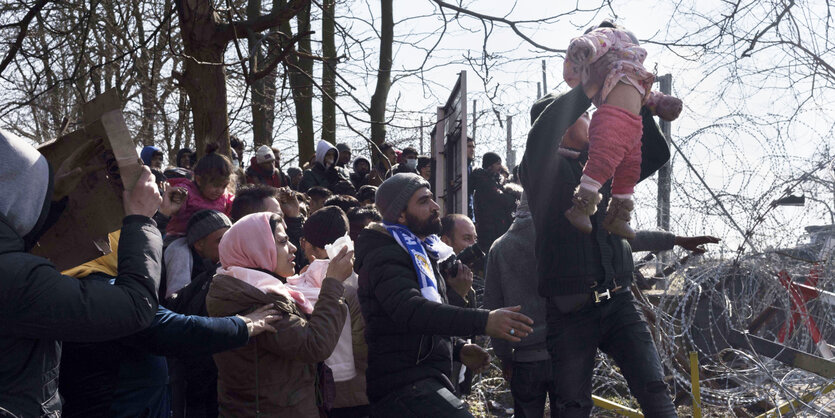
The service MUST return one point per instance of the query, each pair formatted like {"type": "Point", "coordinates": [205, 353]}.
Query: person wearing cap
{"type": "Point", "coordinates": [344, 156]}
{"type": "Point", "coordinates": [264, 169]}
{"type": "Point", "coordinates": [410, 327]}
{"type": "Point", "coordinates": [188, 256]}
{"type": "Point", "coordinates": [493, 208]}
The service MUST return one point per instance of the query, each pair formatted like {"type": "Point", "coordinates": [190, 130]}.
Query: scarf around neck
{"type": "Point", "coordinates": [420, 251]}
{"type": "Point", "coordinates": [248, 247]}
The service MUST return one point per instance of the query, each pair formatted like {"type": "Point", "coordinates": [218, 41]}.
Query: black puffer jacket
{"type": "Point", "coordinates": [409, 337]}
{"type": "Point", "coordinates": [39, 308]}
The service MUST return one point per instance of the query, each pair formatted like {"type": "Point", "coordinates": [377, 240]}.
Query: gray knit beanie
{"type": "Point", "coordinates": [203, 223]}
{"type": "Point", "coordinates": [394, 194]}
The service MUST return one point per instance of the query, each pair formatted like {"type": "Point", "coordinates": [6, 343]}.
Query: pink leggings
{"type": "Point", "coordinates": [615, 148]}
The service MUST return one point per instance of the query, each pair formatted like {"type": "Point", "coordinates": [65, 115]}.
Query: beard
{"type": "Point", "coordinates": [424, 227]}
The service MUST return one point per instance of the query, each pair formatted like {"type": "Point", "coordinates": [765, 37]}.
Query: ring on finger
{"type": "Point", "coordinates": [512, 331]}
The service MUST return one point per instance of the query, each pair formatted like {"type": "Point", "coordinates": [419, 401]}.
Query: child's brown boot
{"type": "Point", "coordinates": [618, 216]}
{"type": "Point", "coordinates": [585, 204]}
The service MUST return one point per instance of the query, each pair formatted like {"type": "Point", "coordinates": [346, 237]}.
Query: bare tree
{"type": "Point", "coordinates": [205, 38]}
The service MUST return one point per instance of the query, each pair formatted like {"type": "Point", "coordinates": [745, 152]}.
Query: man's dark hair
{"type": "Point", "coordinates": [319, 192]}
{"type": "Point", "coordinates": [448, 224]}
{"type": "Point", "coordinates": [325, 226]}
{"type": "Point", "coordinates": [250, 199]}
{"type": "Point", "coordinates": [470, 139]}
{"type": "Point", "coordinates": [423, 161]}
{"type": "Point", "coordinates": [363, 213]}
{"type": "Point", "coordinates": [344, 187]}
{"type": "Point", "coordinates": [294, 171]}
{"type": "Point", "coordinates": [409, 150]}
{"type": "Point", "coordinates": [343, 202]}
{"type": "Point", "coordinates": [367, 192]}
{"type": "Point", "coordinates": [384, 146]}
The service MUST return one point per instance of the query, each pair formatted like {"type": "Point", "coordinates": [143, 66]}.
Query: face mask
{"type": "Point", "coordinates": [411, 164]}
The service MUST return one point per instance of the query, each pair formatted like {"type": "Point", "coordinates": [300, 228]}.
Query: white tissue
{"type": "Point", "coordinates": [334, 249]}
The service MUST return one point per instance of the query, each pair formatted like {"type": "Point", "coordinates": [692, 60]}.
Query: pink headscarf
{"type": "Point", "coordinates": [248, 245]}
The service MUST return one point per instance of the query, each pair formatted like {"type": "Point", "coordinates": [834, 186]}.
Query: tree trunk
{"type": "Point", "coordinates": [204, 77]}
{"type": "Point", "coordinates": [328, 73]}
{"type": "Point", "coordinates": [262, 90]}
{"type": "Point", "coordinates": [377, 110]}
{"type": "Point", "coordinates": [300, 71]}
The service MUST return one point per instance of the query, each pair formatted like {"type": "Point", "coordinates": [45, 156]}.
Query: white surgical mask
{"type": "Point", "coordinates": [411, 163]}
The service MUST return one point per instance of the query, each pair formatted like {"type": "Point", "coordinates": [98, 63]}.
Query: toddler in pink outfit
{"type": "Point", "coordinates": [209, 190]}
{"type": "Point", "coordinates": [609, 57]}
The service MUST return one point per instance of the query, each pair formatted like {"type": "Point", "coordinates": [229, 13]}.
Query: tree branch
{"type": "Point", "coordinates": [747, 52]}
{"type": "Point", "coordinates": [507, 22]}
{"type": "Point", "coordinates": [24, 28]}
{"type": "Point", "coordinates": [237, 29]}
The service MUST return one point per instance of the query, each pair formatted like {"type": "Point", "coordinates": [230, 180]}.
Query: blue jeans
{"type": "Point", "coordinates": [530, 384]}
{"type": "Point", "coordinates": [424, 398]}
{"type": "Point", "coordinates": [617, 327]}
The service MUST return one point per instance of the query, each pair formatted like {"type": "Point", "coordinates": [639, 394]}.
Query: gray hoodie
{"type": "Point", "coordinates": [24, 180]}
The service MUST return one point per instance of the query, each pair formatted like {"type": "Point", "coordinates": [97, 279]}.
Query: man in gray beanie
{"type": "Point", "coordinates": [39, 307]}
{"type": "Point", "coordinates": [187, 257]}
{"type": "Point", "coordinates": [409, 322]}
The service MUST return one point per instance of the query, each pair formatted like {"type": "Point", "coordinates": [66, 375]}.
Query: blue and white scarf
{"type": "Point", "coordinates": [417, 250]}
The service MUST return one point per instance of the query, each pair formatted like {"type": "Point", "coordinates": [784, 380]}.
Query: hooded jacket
{"type": "Point", "coordinates": [409, 337]}
{"type": "Point", "coordinates": [184, 151]}
{"type": "Point", "coordinates": [39, 307]}
{"type": "Point", "coordinates": [318, 175]}
{"type": "Point", "coordinates": [358, 179]}
{"type": "Point", "coordinates": [148, 152]}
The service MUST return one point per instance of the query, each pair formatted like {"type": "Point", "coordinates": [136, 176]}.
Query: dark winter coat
{"type": "Point", "coordinates": [569, 261]}
{"type": "Point", "coordinates": [128, 377]}
{"type": "Point", "coordinates": [409, 337]}
{"type": "Point", "coordinates": [359, 179]}
{"type": "Point", "coordinates": [39, 308]}
{"type": "Point", "coordinates": [493, 208]}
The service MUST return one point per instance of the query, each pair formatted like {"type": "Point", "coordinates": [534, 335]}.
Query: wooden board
{"type": "Point", "coordinates": [95, 207]}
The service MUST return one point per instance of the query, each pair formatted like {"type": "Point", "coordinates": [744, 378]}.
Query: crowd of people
{"type": "Point", "coordinates": [337, 289]}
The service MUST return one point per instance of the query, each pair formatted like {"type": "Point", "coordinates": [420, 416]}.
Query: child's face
{"type": "Point", "coordinates": [212, 190]}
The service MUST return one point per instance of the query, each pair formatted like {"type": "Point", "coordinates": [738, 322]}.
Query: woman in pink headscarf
{"type": "Point", "coordinates": [275, 374]}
